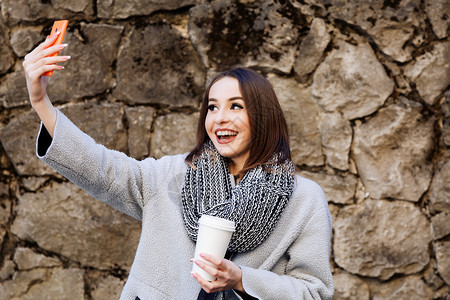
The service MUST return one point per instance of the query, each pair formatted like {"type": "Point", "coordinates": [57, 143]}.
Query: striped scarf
{"type": "Point", "coordinates": [255, 204]}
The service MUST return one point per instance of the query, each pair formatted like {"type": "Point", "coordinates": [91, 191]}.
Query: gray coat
{"type": "Point", "coordinates": [292, 263]}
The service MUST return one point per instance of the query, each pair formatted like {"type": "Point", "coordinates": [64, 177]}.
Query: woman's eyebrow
{"type": "Point", "coordinates": [229, 99]}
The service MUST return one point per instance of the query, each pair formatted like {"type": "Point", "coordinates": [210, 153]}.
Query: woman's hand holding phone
{"type": "Point", "coordinates": [35, 65]}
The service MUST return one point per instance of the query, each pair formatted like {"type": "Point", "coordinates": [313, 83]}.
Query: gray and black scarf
{"type": "Point", "coordinates": [255, 204]}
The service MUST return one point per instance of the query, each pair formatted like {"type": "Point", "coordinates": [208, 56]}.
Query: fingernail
{"type": "Point", "coordinates": [62, 46]}
{"type": "Point", "coordinates": [66, 57]}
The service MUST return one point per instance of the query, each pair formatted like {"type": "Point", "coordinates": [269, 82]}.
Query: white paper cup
{"type": "Point", "coordinates": [214, 234]}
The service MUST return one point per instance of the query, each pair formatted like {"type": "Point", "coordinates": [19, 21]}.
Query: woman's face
{"type": "Point", "coordinates": [227, 122]}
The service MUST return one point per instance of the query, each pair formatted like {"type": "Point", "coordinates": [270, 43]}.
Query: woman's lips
{"type": "Point", "coordinates": [225, 136]}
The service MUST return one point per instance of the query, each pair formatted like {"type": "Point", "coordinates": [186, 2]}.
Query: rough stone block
{"type": "Point", "coordinates": [174, 134]}
{"type": "Point", "coordinates": [125, 9]}
{"type": "Point", "coordinates": [392, 152]}
{"type": "Point", "coordinates": [336, 134]}
{"type": "Point", "coordinates": [23, 40]}
{"type": "Point", "coordinates": [88, 72]}
{"type": "Point", "coordinates": [442, 250]}
{"type": "Point", "coordinates": [411, 288]}
{"type": "Point", "coordinates": [352, 81]}
{"type": "Point", "coordinates": [64, 219]}
{"type": "Point", "coordinates": [431, 72]}
{"type": "Point", "coordinates": [375, 239]}
{"type": "Point", "coordinates": [262, 34]}
{"type": "Point", "coordinates": [437, 12]}
{"type": "Point", "coordinates": [349, 287]}
{"type": "Point", "coordinates": [139, 121]}
{"type": "Point", "coordinates": [312, 49]}
{"type": "Point", "coordinates": [6, 54]}
{"type": "Point", "coordinates": [158, 65]}
{"type": "Point", "coordinates": [303, 118]}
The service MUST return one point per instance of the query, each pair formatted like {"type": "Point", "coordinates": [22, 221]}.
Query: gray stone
{"type": "Point", "coordinates": [440, 190]}
{"type": "Point", "coordinates": [349, 287]}
{"type": "Point", "coordinates": [174, 134]}
{"type": "Point", "coordinates": [125, 9]}
{"type": "Point", "coordinates": [392, 152]}
{"type": "Point", "coordinates": [303, 118]}
{"type": "Point", "coordinates": [311, 49]}
{"type": "Point", "coordinates": [16, 11]}
{"type": "Point", "coordinates": [337, 189]}
{"type": "Point", "coordinates": [88, 72]}
{"type": "Point", "coordinates": [440, 225]}
{"type": "Point", "coordinates": [431, 72]}
{"type": "Point", "coordinates": [24, 39]}
{"type": "Point", "coordinates": [13, 89]}
{"type": "Point", "coordinates": [75, 6]}
{"type": "Point", "coordinates": [262, 34]}
{"type": "Point", "coordinates": [411, 288]}
{"type": "Point", "coordinates": [106, 287]}
{"type": "Point", "coordinates": [158, 65]}
{"type": "Point", "coordinates": [438, 12]}
{"type": "Point", "coordinates": [442, 250]}
{"type": "Point", "coordinates": [139, 121]}
{"type": "Point", "coordinates": [101, 122]}
{"type": "Point", "coordinates": [351, 81]}
{"type": "Point", "coordinates": [5, 212]}
{"type": "Point", "coordinates": [26, 259]}
{"type": "Point", "coordinates": [336, 134]}
{"type": "Point", "coordinates": [18, 138]}
{"type": "Point", "coordinates": [375, 239]}
{"type": "Point", "coordinates": [7, 56]}
{"type": "Point", "coordinates": [64, 219]}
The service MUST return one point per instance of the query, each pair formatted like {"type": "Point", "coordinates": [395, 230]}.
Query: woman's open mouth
{"type": "Point", "coordinates": [225, 136]}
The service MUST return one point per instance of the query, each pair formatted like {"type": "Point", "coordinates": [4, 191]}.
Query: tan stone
{"type": "Point", "coordinates": [150, 71]}
{"type": "Point", "coordinates": [311, 49]}
{"type": "Point", "coordinates": [41, 283]}
{"type": "Point", "coordinates": [140, 120]}
{"type": "Point", "coordinates": [26, 259]}
{"type": "Point", "coordinates": [376, 239]}
{"type": "Point", "coordinates": [174, 134]}
{"type": "Point", "coordinates": [7, 60]}
{"type": "Point", "coordinates": [337, 189]}
{"type": "Point", "coordinates": [431, 72]}
{"type": "Point", "coordinates": [349, 287]}
{"type": "Point", "coordinates": [303, 119]}
{"type": "Point", "coordinates": [64, 219]}
{"type": "Point", "coordinates": [410, 287]}
{"type": "Point", "coordinates": [106, 287]}
{"type": "Point", "coordinates": [438, 12]}
{"type": "Point", "coordinates": [442, 250]}
{"type": "Point", "coordinates": [440, 190]}
{"type": "Point", "coordinates": [392, 151]}
{"type": "Point", "coordinates": [351, 81]}
{"type": "Point", "coordinates": [440, 225]}
{"type": "Point", "coordinates": [336, 134]}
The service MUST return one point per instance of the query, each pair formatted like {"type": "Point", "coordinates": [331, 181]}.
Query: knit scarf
{"type": "Point", "coordinates": [255, 204]}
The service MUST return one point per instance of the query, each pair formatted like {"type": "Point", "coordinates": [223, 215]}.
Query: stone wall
{"type": "Point", "coordinates": [364, 85]}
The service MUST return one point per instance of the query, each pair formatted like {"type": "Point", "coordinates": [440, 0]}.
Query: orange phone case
{"type": "Point", "coordinates": [61, 26]}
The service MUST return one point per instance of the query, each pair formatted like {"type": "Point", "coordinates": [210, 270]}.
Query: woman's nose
{"type": "Point", "coordinates": [222, 116]}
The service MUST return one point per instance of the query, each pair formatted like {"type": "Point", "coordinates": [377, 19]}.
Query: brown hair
{"type": "Point", "coordinates": [268, 128]}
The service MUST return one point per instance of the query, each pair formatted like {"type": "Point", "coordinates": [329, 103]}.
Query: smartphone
{"type": "Point", "coordinates": [60, 26]}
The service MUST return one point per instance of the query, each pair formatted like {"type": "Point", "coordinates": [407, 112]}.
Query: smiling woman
{"type": "Point", "coordinates": [281, 245]}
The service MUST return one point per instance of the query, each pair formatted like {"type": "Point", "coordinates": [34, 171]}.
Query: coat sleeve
{"type": "Point", "coordinates": [307, 274]}
{"type": "Point", "coordinates": [105, 174]}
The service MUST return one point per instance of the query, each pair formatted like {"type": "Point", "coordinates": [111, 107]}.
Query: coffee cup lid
{"type": "Point", "coordinates": [217, 222]}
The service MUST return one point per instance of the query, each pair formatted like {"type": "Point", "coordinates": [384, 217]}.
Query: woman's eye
{"type": "Point", "coordinates": [212, 107]}
{"type": "Point", "coordinates": [236, 106]}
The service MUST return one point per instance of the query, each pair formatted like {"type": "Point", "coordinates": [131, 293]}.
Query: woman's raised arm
{"type": "Point", "coordinates": [35, 64]}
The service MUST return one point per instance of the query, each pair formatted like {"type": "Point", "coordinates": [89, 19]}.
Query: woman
{"type": "Point", "coordinates": [240, 169]}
